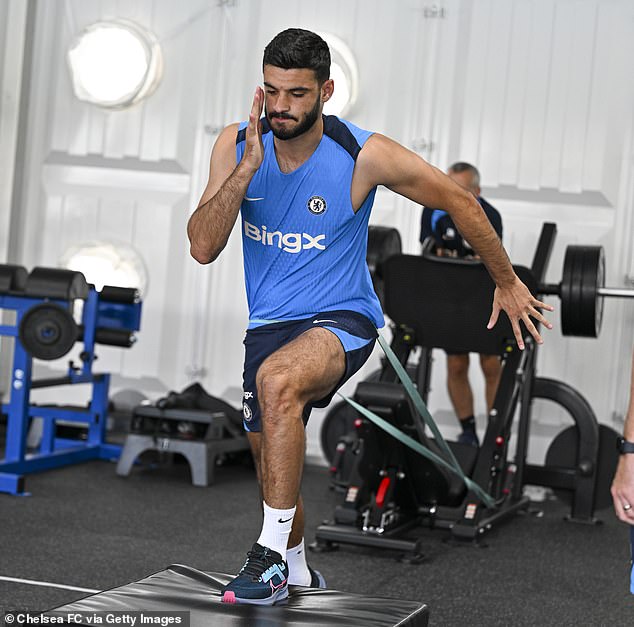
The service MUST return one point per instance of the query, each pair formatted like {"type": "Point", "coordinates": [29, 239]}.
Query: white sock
{"type": "Point", "coordinates": [298, 573]}
{"type": "Point", "coordinates": [276, 528]}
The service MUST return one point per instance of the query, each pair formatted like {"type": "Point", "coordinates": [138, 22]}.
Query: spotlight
{"type": "Point", "coordinates": [115, 64]}
{"type": "Point", "coordinates": [344, 72]}
{"type": "Point", "coordinates": [107, 263]}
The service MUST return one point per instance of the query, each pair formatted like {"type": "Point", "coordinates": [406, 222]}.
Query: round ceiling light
{"type": "Point", "coordinates": [115, 64]}
{"type": "Point", "coordinates": [107, 263]}
{"type": "Point", "coordinates": [345, 74]}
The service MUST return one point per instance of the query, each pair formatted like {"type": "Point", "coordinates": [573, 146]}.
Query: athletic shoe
{"type": "Point", "coordinates": [316, 578]}
{"type": "Point", "coordinates": [469, 437]}
{"type": "Point", "coordinates": [263, 579]}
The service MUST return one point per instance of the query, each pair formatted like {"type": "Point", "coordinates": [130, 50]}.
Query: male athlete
{"type": "Point", "coordinates": [304, 186]}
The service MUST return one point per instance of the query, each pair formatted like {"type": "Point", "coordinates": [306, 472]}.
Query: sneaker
{"type": "Point", "coordinates": [469, 437]}
{"type": "Point", "coordinates": [263, 579]}
{"type": "Point", "coordinates": [316, 578]}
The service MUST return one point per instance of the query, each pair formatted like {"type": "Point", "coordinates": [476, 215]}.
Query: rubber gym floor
{"type": "Point", "coordinates": [84, 526]}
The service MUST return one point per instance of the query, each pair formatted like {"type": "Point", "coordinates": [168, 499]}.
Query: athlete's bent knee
{"type": "Point", "coordinates": [277, 394]}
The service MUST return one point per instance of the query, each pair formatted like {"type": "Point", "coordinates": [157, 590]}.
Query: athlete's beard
{"type": "Point", "coordinates": [303, 125]}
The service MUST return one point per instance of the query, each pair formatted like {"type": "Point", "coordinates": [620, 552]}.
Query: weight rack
{"type": "Point", "coordinates": [108, 317]}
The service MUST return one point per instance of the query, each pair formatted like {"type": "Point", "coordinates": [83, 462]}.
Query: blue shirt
{"type": "Point", "coordinates": [438, 224]}
{"type": "Point", "coordinates": [304, 246]}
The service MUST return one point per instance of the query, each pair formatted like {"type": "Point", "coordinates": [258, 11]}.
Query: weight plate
{"type": "Point", "coordinates": [562, 452]}
{"type": "Point", "coordinates": [581, 304]}
{"type": "Point", "coordinates": [576, 290]}
{"type": "Point", "coordinates": [596, 271]}
{"type": "Point", "coordinates": [592, 278]}
{"type": "Point", "coordinates": [568, 313]}
{"type": "Point", "coordinates": [48, 331]}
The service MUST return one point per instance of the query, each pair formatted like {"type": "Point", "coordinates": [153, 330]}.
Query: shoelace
{"type": "Point", "coordinates": [257, 562]}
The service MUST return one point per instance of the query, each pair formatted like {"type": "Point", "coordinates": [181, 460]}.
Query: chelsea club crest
{"type": "Point", "coordinates": [316, 205]}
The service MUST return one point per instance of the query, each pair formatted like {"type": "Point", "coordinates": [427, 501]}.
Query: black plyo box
{"type": "Point", "coordinates": [182, 588]}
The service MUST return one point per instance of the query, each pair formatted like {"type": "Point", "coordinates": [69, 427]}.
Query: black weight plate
{"type": "Point", "coordinates": [591, 273]}
{"type": "Point", "coordinates": [564, 289]}
{"type": "Point", "coordinates": [600, 284]}
{"type": "Point", "coordinates": [571, 291]}
{"type": "Point", "coordinates": [575, 291]}
{"type": "Point", "coordinates": [592, 279]}
{"type": "Point", "coordinates": [563, 452]}
{"type": "Point", "coordinates": [47, 331]}
{"type": "Point", "coordinates": [581, 306]}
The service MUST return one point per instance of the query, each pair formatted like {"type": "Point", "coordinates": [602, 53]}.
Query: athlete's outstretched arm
{"type": "Point", "coordinates": [210, 225]}
{"type": "Point", "coordinates": [383, 161]}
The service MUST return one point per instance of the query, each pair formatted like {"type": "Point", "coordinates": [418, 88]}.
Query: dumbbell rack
{"type": "Point", "coordinates": [64, 288]}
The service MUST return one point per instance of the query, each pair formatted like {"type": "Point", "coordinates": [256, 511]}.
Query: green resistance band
{"type": "Point", "coordinates": [452, 465]}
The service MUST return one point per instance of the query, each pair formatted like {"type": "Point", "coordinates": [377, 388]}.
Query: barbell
{"type": "Point", "coordinates": [582, 290]}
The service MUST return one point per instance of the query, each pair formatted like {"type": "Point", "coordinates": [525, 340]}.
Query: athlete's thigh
{"type": "Point", "coordinates": [312, 363]}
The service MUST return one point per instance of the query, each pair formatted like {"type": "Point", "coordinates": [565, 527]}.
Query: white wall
{"type": "Point", "coordinates": [14, 24]}
{"type": "Point", "coordinates": [538, 94]}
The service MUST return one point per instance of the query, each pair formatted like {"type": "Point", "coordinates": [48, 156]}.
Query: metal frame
{"type": "Point", "coordinates": [581, 480]}
{"type": "Point", "coordinates": [493, 471]}
{"type": "Point", "coordinates": [54, 451]}
{"type": "Point", "coordinates": [470, 519]}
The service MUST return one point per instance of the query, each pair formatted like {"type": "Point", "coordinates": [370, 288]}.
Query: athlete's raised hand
{"type": "Point", "coordinates": [253, 149]}
{"type": "Point", "coordinates": [519, 304]}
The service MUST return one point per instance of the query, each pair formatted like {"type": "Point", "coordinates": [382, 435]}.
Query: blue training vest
{"type": "Point", "coordinates": [304, 246]}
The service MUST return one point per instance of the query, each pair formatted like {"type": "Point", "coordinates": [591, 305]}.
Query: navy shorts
{"type": "Point", "coordinates": [355, 332]}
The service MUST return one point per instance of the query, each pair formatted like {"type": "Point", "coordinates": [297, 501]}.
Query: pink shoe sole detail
{"type": "Point", "coordinates": [229, 597]}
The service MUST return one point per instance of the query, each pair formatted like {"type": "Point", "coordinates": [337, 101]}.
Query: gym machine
{"type": "Point", "coordinates": [389, 490]}
{"type": "Point", "coordinates": [44, 303]}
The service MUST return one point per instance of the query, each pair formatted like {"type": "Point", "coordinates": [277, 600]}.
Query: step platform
{"type": "Point", "coordinates": [213, 434]}
{"type": "Point", "coordinates": [184, 589]}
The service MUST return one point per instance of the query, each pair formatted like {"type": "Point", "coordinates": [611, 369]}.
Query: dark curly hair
{"type": "Point", "coordinates": [296, 48]}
